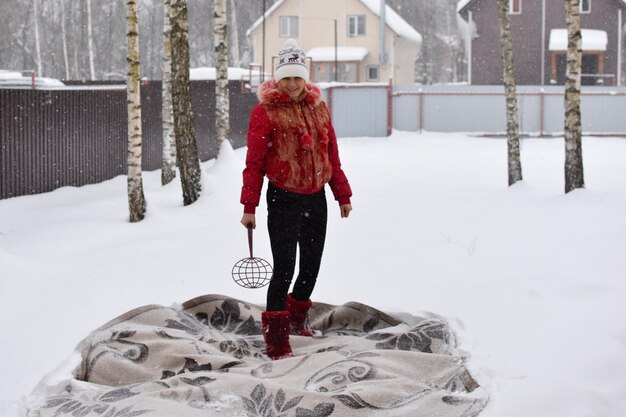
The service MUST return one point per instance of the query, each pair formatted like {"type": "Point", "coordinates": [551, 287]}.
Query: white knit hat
{"type": "Point", "coordinates": [291, 62]}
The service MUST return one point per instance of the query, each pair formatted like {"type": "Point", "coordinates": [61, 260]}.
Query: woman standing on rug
{"type": "Point", "coordinates": [291, 140]}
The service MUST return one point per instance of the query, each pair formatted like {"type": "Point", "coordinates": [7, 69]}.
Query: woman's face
{"type": "Point", "coordinates": [293, 86]}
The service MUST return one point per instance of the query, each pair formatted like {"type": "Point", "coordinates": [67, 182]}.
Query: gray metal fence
{"type": "Point", "coordinates": [481, 109]}
{"type": "Point", "coordinates": [45, 142]}
{"type": "Point", "coordinates": [77, 136]}
{"type": "Point", "coordinates": [359, 110]}
{"type": "Point", "coordinates": [54, 138]}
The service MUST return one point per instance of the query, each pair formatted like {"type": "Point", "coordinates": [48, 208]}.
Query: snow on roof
{"type": "Point", "coordinates": [344, 53]}
{"type": "Point", "coordinates": [9, 75]}
{"type": "Point", "coordinates": [462, 3]}
{"type": "Point", "coordinates": [16, 79]}
{"type": "Point", "coordinates": [268, 12]}
{"type": "Point", "coordinates": [393, 19]}
{"type": "Point", "coordinates": [593, 40]}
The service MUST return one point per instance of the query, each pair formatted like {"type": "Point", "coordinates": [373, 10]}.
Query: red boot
{"type": "Point", "coordinates": [276, 334]}
{"type": "Point", "coordinates": [298, 314]}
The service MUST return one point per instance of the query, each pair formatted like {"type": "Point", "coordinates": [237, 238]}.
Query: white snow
{"type": "Point", "coordinates": [593, 40]}
{"type": "Point", "coordinates": [16, 79]}
{"type": "Point", "coordinates": [208, 73]}
{"type": "Point", "coordinates": [461, 4]}
{"type": "Point", "coordinates": [9, 75]}
{"type": "Point", "coordinates": [531, 279]}
{"type": "Point", "coordinates": [344, 53]}
{"type": "Point", "coordinates": [268, 12]}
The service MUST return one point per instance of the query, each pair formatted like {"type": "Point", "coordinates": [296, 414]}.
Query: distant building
{"type": "Point", "coordinates": [342, 32]}
{"type": "Point", "coordinates": [539, 39]}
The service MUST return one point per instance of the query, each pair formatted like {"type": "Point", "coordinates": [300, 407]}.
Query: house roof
{"type": "Point", "coordinates": [268, 12]}
{"type": "Point", "coordinates": [396, 23]}
{"type": "Point", "coordinates": [462, 4]}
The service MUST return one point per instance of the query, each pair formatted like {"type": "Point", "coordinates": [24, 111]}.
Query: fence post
{"type": "Point", "coordinates": [420, 96]}
{"type": "Point", "coordinates": [541, 111]}
{"type": "Point", "coordinates": [389, 106]}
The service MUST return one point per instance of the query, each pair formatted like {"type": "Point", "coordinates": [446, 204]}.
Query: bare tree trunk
{"type": "Point", "coordinates": [186, 146]}
{"type": "Point", "coordinates": [424, 65]}
{"type": "Point", "coordinates": [573, 131]}
{"type": "Point", "coordinates": [92, 68]}
{"type": "Point", "coordinates": [110, 45]}
{"type": "Point", "coordinates": [37, 39]}
{"type": "Point", "coordinates": [450, 44]}
{"type": "Point", "coordinates": [151, 44]}
{"type": "Point", "coordinates": [234, 34]}
{"type": "Point", "coordinates": [136, 200]}
{"type": "Point", "coordinates": [222, 122]}
{"type": "Point", "coordinates": [66, 59]}
{"type": "Point", "coordinates": [512, 115]}
{"type": "Point", "coordinates": [22, 38]}
{"type": "Point", "coordinates": [168, 165]}
{"type": "Point", "coordinates": [76, 24]}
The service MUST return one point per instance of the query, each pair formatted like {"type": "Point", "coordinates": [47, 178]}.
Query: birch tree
{"type": "Point", "coordinates": [573, 131]}
{"type": "Point", "coordinates": [512, 114]}
{"type": "Point", "coordinates": [222, 104]}
{"type": "Point", "coordinates": [168, 164]}
{"type": "Point", "coordinates": [136, 200]}
{"type": "Point", "coordinates": [186, 146]}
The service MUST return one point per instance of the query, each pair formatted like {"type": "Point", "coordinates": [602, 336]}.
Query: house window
{"type": "Point", "coordinates": [373, 73]}
{"type": "Point", "coordinates": [289, 26]}
{"type": "Point", "coordinates": [515, 6]}
{"type": "Point", "coordinates": [585, 6]}
{"type": "Point", "coordinates": [325, 72]}
{"type": "Point", "coordinates": [356, 25]}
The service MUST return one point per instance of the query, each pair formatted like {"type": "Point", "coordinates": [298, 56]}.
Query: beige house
{"type": "Point", "coordinates": [342, 39]}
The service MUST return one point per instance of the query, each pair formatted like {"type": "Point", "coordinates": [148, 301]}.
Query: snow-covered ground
{"type": "Point", "coordinates": [531, 279]}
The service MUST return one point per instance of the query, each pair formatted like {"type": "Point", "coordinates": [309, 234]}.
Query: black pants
{"type": "Point", "coordinates": [294, 220]}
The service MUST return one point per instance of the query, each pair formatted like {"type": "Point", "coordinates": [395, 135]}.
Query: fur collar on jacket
{"type": "Point", "coordinates": [268, 93]}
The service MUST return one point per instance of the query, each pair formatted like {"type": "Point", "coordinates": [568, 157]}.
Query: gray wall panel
{"type": "Point", "coordinates": [481, 109]}
{"type": "Point", "coordinates": [406, 113]}
{"type": "Point", "coordinates": [359, 111]}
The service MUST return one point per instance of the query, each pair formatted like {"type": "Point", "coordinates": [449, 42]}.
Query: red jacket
{"type": "Point", "coordinates": [294, 144]}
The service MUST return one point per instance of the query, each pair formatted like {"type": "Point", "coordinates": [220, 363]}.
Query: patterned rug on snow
{"type": "Point", "coordinates": [208, 359]}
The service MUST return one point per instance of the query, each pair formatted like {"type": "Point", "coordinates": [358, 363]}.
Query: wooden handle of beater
{"type": "Point", "coordinates": [249, 226]}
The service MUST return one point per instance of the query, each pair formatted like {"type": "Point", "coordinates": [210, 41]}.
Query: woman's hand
{"type": "Point", "coordinates": [345, 210]}
{"type": "Point", "coordinates": [248, 220]}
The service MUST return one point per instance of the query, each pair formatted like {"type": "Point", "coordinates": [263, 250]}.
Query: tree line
{"type": "Point", "coordinates": [85, 39]}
